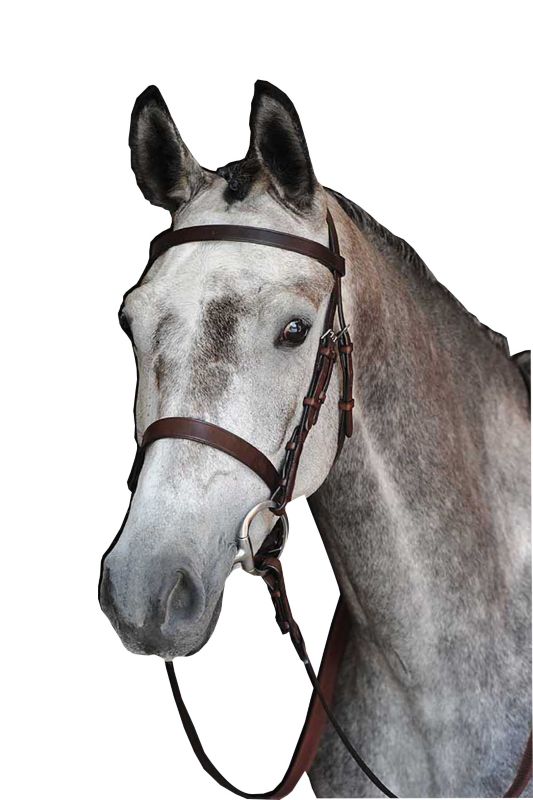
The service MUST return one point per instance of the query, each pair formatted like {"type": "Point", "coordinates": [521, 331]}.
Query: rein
{"type": "Point", "coordinates": [265, 562]}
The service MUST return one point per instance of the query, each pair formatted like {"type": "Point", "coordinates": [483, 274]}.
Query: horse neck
{"type": "Point", "coordinates": [425, 514]}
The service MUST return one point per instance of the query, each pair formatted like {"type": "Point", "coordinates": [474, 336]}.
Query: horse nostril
{"type": "Point", "coordinates": [185, 602]}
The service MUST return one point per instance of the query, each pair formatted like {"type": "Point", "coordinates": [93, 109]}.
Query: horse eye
{"type": "Point", "coordinates": [294, 332]}
{"type": "Point", "coordinates": [124, 324]}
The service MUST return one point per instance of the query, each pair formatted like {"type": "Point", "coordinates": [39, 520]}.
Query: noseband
{"type": "Point", "coordinates": [281, 482]}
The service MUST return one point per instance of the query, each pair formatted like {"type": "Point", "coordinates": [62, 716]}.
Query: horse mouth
{"type": "Point", "coordinates": [148, 639]}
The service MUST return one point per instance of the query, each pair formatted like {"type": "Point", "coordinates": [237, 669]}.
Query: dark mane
{"type": "Point", "coordinates": [409, 255]}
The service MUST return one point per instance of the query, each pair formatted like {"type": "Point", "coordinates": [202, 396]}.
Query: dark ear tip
{"type": "Point", "coordinates": [151, 95]}
{"type": "Point", "coordinates": [264, 88]}
{"type": "Point", "coordinates": [151, 92]}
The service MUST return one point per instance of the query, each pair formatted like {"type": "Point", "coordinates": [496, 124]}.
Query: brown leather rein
{"type": "Point", "coordinates": [265, 562]}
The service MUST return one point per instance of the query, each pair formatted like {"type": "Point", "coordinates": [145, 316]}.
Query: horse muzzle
{"type": "Point", "coordinates": [163, 613]}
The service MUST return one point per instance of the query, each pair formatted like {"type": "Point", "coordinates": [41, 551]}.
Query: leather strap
{"type": "Point", "coordinates": [198, 430]}
{"type": "Point", "coordinates": [312, 403]}
{"type": "Point", "coordinates": [319, 710]}
{"type": "Point", "coordinates": [331, 343]}
{"type": "Point", "coordinates": [244, 233]}
{"type": "Point", "coordinates": [319, 707]}
{"type": "Point", "coordinates": [313, 727]}
{"type": "Point", "coordinates": [272, 573]}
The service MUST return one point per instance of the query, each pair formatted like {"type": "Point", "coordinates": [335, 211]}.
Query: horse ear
{"type": "Point", "coordinates": [167, 174]}
{"type": "Point", "coordinates": [278, 143]}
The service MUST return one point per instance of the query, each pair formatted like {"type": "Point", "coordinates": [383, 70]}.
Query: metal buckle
{"type": "Point", "coordinates": [334, 336]}
{"type": "Point", "coordinates": [245, 556]}
{"type": "Point", "coordinates": [342, 330]}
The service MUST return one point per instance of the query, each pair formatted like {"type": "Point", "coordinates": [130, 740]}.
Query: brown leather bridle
{"type": "Point", "coordinates": [281, 484]}
{"type": "Point", "coordinates": [265, 562]}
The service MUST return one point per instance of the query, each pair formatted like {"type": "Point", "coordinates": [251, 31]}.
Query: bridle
{"type": "Point", "coordinates": [281, 484]}
{"type": "Point", "coordinates": [265, 562]}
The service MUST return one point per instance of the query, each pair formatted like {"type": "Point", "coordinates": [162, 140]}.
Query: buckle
{"type": "Point", "coordinates": [342, 330]}
{"type": "Point", "coordinates": [334, 336]}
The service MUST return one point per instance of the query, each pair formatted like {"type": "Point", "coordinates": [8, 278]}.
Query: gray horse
{"type": "Point", "coordinates": [425, 516]}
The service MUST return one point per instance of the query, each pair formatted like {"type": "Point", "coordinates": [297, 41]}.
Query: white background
{"type": "Point", "coordinates": [418, 111]}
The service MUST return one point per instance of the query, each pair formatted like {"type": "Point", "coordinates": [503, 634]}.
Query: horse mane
{"type": "Point", "coordinates": [409, 255]}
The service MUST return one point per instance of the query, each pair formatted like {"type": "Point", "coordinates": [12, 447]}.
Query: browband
{"type": "Point", "coordinates": [244, 233]}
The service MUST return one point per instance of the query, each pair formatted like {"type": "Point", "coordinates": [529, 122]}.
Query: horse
{"type": "Point", "coordinates": [424, 514]}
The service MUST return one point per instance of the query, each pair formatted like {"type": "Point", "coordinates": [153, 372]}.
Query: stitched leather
{"type": "Point", "coordinates": [198, 430]}
{"type": "Point", "coordinates": [244, 233]}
